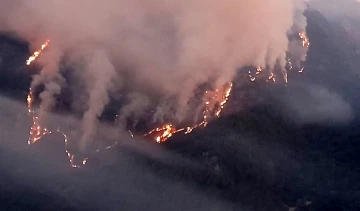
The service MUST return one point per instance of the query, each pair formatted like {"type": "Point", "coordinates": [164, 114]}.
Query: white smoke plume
{"type": "Point", "coordinates": [136, 108]}
{"type": "Point", "coordinates": [166, 47]}
{"type": "Point", "coordinates": [48, 96]}
{"type": "Point", "coordinates": [52, 80]}
{"type": "Point", "coordinates": [300, 21]}
{"type": "Point", "coordinates": [98, 86]}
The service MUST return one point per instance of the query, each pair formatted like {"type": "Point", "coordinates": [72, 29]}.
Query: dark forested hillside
{"type": "Point", "coordinates": [266, 155]}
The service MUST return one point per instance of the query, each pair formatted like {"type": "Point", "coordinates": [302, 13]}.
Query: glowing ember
{"type": "Point", "coordinates": [305, 39]}
{"type": "Point", "coordinates": [258, 70]}
{"type": "Point", "coordinates": [289, 64]}
{"type": "Point", "coordinates": [272, 77]}
{"type": "Point", "coordinates": [163, 133]}
{"type": "Point", "coordinates": [285, 74]}
{"type": "Point", "coordinates": [225, 97]}
{"type": "Point", "coordinates": [252, 77]}
{"type": "Point", "coordinates": [37, 131]}
{"type": "Point", "coordinates": [37, 53]}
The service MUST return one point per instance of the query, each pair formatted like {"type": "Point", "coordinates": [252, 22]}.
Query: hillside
{"type": "Point", "coordinates": [266, 153]}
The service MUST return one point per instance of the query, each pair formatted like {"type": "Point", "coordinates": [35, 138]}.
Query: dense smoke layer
{"type": "Point", "coordinates": [135, 109]}
{"type": "Point", "coordinates": [98, 86]}
{"type": "Point", "coordinates": [163, 48]}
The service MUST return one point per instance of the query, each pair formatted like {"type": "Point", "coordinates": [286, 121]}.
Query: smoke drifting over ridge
{"type": "Point", "coordinates": [165, 47]}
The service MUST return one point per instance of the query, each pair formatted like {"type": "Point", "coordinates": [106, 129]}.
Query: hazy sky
{"type": "Point", "coordinates": [336, 8]}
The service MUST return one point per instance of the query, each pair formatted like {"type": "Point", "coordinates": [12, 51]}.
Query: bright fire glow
{"type": "Point", "coordinates": [272, 77]}
{"type": "Point", "coordinates": [213, 106]}
{"type": "Point", "coordinates": [304, 39]}
{"type": "Point", "coordinates": [163, 133]}
{"type": "Point", "coordinates": [37, 53]}
{"type": "Point", "coordinates": [37, 131]}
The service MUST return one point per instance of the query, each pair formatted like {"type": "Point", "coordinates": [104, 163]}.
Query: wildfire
{"type": "Point", "coordinates": [304, 39]}
{"type": "Point", "coordinates": [272, 77]}
{"type": "Point", "coordinates": [37, 131]}
{"type": "Point", "coordinates": [163, 133]}
{"type": "Point", "coordinates": [213, 107]}
{"type": "Point", "coordinates": [257, 72]}
{"type": "Point", "coordinates": [290, 65]}
{"type": "Point", "coordinates": [213, 104]}
{"type": "Point", "coordinates": [37, 53]}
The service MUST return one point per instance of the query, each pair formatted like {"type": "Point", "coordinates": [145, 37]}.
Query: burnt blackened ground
{"type": "Point", "coordinates": [267, 158]}
{"type": "Point", "coordinates": [255, 160]}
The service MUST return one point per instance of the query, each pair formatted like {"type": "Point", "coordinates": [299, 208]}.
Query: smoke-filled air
{"type": "Point", "coordinates": [155, 53]}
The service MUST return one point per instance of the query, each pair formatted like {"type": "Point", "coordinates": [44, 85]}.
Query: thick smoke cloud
{"type": "Point", "coordinates": [166, 47]}
{"type": "Point", "coordinates": [136, 108]}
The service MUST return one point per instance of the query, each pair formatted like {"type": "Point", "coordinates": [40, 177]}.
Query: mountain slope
{"type": "Point", "coordinates": [256, 157]}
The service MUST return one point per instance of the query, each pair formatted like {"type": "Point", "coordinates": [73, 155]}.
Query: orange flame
{"type": "Point", "coordinates": [305, 42]}
{"type": "Point", "coordinates": [37, 53]}
{"type": "Point", "coordinates": [304, 39]}
{"type": "Point", "coordinates": [163, 133]}
{"type": "Point", "coordinates": [37, 131]}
